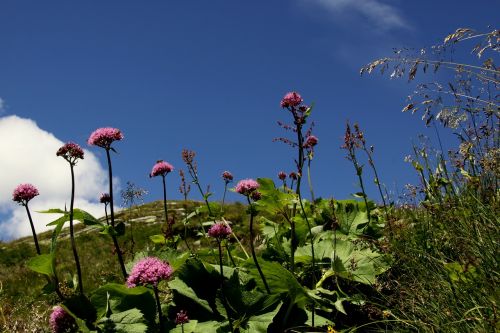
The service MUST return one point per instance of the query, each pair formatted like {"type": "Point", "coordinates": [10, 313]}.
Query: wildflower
{"type": "Point", "coordinates": [227, 176]}
{"type": "Point", "coordinates": [24, 193]}
{"type": "Point", "coordinates": [188, 156]}
{"type": "Point", "coordinates": [220, 230]}
{"type": "Point", "coordinates": [61, 321]}
{"type": "Point", "coordinates": [293, 175]}
{"type": "Point", "coordinates": [104, 137]}
{"type": "Point", "coordinates": [161, 168]}
{"type": "Point", "coordinates": [105, 198]}
{"type": "Point", "coordinates": [311, 141]}
{"type": "Point", "coordinates": [256, 195]}
{"type": "Point", "coordinates": [246, 186]}
{"type": "Point", "coordinates": [291, 99]}
{"type": "Point", "coordinates": [149, 270]}
{"type": "Point", "coordinates": [282, 175]}
{"type": "Point", "coordinates": [70, 152]}
{"type": "Point", "coordinates": [181, 317]}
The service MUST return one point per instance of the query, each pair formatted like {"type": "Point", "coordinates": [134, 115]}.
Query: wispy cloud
{"type": "Point", "coordinates": [2, 105]}
{"type": "Point", "coordinates": [379, 14]}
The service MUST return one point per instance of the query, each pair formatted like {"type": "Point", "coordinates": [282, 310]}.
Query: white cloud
{"type": "Point", "coordinates": [28, 155]}
{"type": "Point", "coordinates": [380, 14]}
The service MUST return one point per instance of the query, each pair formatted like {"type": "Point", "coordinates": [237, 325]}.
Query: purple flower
{"type": "Point", "coordinates": [181, 317]}
{"type": "Point", "coordinates": [246, 186]}
{"type": "Point", "coordinates": [70, 152]}
{"type": "Point", "coordinates": [291, 99]}
{"type": "Point", "coordinates": [24, 193]}
{"type": "Point", "coordinates": [104, 137]}
{"type": "Point", "coordinates": [105, 198]}
{"type": "Point", "coordinates": [311, 141]}
{"type": "Point", "coordinates": [282, 175]}
{"type": "Point", "coordinates": [149, 270]}
{"type": "Point", "coordinates": [60, 321]}
{"type": "Point", "coordinates": [227, 176]}
{"type": "Point", "coordinates": [220, 230]}
{"type": "Point", "coordinates": [256, 195]}
{"type": "Point", "coordinates": [293, 175]}
{"type": "Point", "coordinates": [161, 168]}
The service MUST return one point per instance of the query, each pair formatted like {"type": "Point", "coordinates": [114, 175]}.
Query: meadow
{"type": "Point", "coordinates": [282, 259]}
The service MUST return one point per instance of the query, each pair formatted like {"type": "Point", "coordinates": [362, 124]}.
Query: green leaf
{"type": "Point", "coordinates": [52, 211]}
{"type": "Point", "coordinates": [158, 239]}
{"type": "Point", "coordinates": [84, 217]}
{"type": "Point", "coordinates": [260, 323]}
{"type": "Point", "coordinates": [130, 321]}
{"type": "Point", "coordinates": [122, 299]}
{"type": "Point", "coordinates": [42, 263]}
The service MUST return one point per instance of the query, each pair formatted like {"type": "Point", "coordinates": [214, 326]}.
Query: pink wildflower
{"type": "Point", "coordinates": [161, 168]}
{"type": "Point", "coordinates": [104, 137]}
{"type": "Point", "coordinates": [149, 270]}
{"type": "Point", "coordinates": [291, 99]}
{"type": "Point", "coordinates": [311, 141]}
{"type": "Point", "coordinates": [293, 175]}
{"type": "Point", "coordinates": [282, 175]}
{"type": "Point", "coordinates": [70, 152]}
{"type": "Point", "coordinates": [246, 186]}
{"type": "Point", "coordinates": [181, 317]}
{"type": "Point", "coordinates": [227, 176]}
{"type": "Point", "coordinates": [220, 230]}
{"type": "Point", "coordinates": [105, 198]}
{"type": "Point", "coordinates": [60, 321]}
{"type": "Point", "coordinates": [24, 193]}
{"type": "Point", "coordinates": [256, 195]}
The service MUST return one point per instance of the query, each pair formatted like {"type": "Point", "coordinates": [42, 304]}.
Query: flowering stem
{"type": "Point", "coordinates": [165, 198]}
{"type": "Point", "coordinates": [112, 213]}
{"type": "Point", "coordinates": [158, 306]}
{"type": "Point", "coordinates": [309, 180]}
{"type": "Point", "coordinates": [253, 249]}
{"type": "Point", "coordinates": [35, 239]}
{"type": "Point", "coordinates": [224, 301]}
{"type": "Point", "coordinates": [71, 231]}
{"type": "Point", "coordinates": [106, 213]}
{"type": "Point", "coordinates": [224, 195]}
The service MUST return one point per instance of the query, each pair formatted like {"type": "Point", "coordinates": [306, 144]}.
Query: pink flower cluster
{"type": "Point", "coordinates": [246, 186]}
{"type": "Point", "coordinates": [181, 318]}
{"type": "Point", "coordinates": [60, 321]}
{"type": "Point", "coordinates": [161, 168]}
{"type": "Point", "coordinates": [104, 137]}
{"type": "Point", "coordinates": [220, 230]}
{"type": "Point", "coordinates": [311, 141]}
{"type": "Point", "coordinates": [149, 270]}
{"type": "Point", "coordinates": [227, 176]}
{"type": "Point", "coordinates": [70, 151]}
{"type": "Point", "coordinates": [24, 193]}
{"type": "Point", "coordinates": [105, 198]}
{"type": "Point", "coordinates": [282, 175]}
{"type": "Point", "coordinates": [291, 99]}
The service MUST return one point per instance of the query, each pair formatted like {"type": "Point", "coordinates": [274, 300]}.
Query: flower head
{"type": "Point", "coordinates": [161, 168]}
{"type": "Point", "coordinates": [246, 186]}
{"type": "Point", "coordinates": [293, 175]}
{"type": "Point", "coordinates": [220, 230]}
{"type": "Point", "coordinates": [60, 321]}
{"type": "Point", "coordinates": [282, 175]}
{"type": "Point", "coordinates": [105, 198]}
{"type": "Point", "coordinates": [104, 137]}
{"type": "Point", "coordinates": [291, 99]}
{"type": "Point", "coordinates": [149, 270]}
{"type": "Point", "coordinates": [70, 152]}
{"type": "Point", "coordinates": [227, 176]}
{"type": "Point", "coordinates": [256, 195]}
{"type": "Point", "coordinates": [311, 141]}
{"type": "Point", "coordinates": [181, 317]}
{"type": "Point", "coordinates": [24, 193]}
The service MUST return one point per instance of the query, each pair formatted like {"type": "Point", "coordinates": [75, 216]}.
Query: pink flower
{"type": "Point", "coordinates": [291, 99]}
{"type": "Point", "coordinates": [104, 137]}
{"type": "Point", "coordinates": [311, 141]}
{"type": "Point", "coordinates": [24, 193]}
{"type": "Point", "coordinates": [181, 317]}
{"type": "Point", "coordinates": [105, 198]}
{"type": "Point", "coordinates": [246, 186]}
{"type": "Point", "coordinates": [227, 176]}
{"type": "Point", "coordinates": [282, 175]}
{"type": "Point", "coordinates": [293, 175]}
{"type": "Point", "coordinates": [149, 270]}
{"type": "Point", "coordinates": [161, 168]}
{"type": "Point", "coordinates": [70, 152]}
{"type": "Point", "coordinates": [256, 195]}
{"type": "Point", "coordinates": [60, 321]}
{"type": "Point", "coordinates": [220, 230]}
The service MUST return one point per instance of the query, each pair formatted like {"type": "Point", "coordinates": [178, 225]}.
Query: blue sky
{"type": "Point", "coordinates": [208, 76]}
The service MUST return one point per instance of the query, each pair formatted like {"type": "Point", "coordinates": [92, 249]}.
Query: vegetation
{"type": "Point", "coordinates": [427, 261]}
